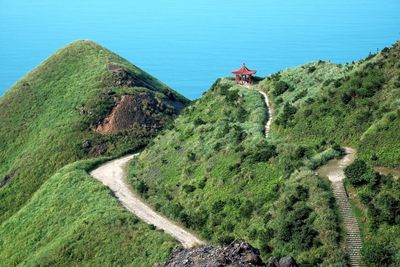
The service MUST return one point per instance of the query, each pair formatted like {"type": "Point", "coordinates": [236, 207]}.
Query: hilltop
{"type": "Point", "coordinates": [83, 102]}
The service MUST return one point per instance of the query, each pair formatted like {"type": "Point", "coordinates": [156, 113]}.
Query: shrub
{"type": "Point", "coordinates": [218, 206]}
{"type": "Point", "coordinates": [287, 114]}
{"type": "Point", "coordinates": [232, 95]}
{"type": "Point", "coordinates": [188, 188]}
{"type": "Point", "coordinates": [263, 152]}
{"type": "Point", "coordinates": [378, 251]}
{"type": "Point", "coordinates": [355, 171]}
{"type": "Point", "coordinates": [389, 207]}
{"type": "Point", "coordinates": [191, 156]}
{"type": "Point", "coordinates": [246, 209]}
{"type": "Point", "coordinates": [346, 98]}
{"type": "Point", "coordinates": [311, 69]}
{"type": "Point", "coordinates": [280, 87]}
{"type": "Point", "coordinates": [142, 187]}
{"type": "Point", "coordinates": [198, 122]}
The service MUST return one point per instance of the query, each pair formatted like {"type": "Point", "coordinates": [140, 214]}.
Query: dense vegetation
{"type": "Point", "coordinates": [353, 104]}
{"type": "Point", "coordinates": [73, 220]}
{"type": "Point", "coordinates": [215, 172]}
{"type": "Point", "coordinates": [304, 221]}
{"type": "Point", "coordinates": [47, 118]}
{"type": "Point", "coordinates": [376, 198]}
{"type": "Point", "coordinates": [358, 105]}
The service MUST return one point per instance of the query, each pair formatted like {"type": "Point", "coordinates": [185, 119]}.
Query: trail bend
{"type": "Point", "coordinates": [113, 175]}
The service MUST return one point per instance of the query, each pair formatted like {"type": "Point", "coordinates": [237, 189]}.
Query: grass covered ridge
{"type": "Point", "coordinates": [73, 220]}
{"type": "Point", "coordinates": [47, 117]}
{"type": "Point", "coordinates": [354, 104]}
{"type": "Point", "coordinates": [215, 172]}
{"type": "Point", "coordinates": [358, 105]}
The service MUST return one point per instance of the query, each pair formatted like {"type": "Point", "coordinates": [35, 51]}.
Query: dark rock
{"type": "Point", "coordinates": [85, 144]}
{"type": "Point", "coordinates": [236, 254]}
{"type": "Point", "coordinates": [82, 111]}
{"type": "Point", "coordinates": [273, 262]}
{"type": "Point", "coordinates": [98, 150]}
{"type": "Point", "coordinates": [170, 95]}
{"type": "Point", "coordinates": [124, 77]}
{"type": "Point", "coordinates": [6, 179]}
{"type": "Point", "coordinates": [286, 261]}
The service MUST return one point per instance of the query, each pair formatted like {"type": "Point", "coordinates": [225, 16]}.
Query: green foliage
{"type": "Point", "coordinates": [355, 172]}
{"type": "Point", "coordinates": [355, 104]}
{"type": "Point", "coordinates": [74, 220]}
{"type": "Point", "coordinates": [379, 196]}
{"type": "Point", "coordinates": [382, 249]}
{"type": "Point", "coordinates": [358, 107]}
{"type": "Point", "coordinates": [280, 88]}
{"type": "Point", "coordinates": [302, 223]}
{"type": "Point", "coordinates": [220, 176]}
{"type": "Point", "coordinates": [238, 174]}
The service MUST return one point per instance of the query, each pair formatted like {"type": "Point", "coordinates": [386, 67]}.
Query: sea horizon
{"type": "Point", "coordinates": [189, 45]}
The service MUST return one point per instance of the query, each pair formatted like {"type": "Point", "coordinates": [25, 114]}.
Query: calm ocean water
{"type": "Point", "coordinates": [188, 44]}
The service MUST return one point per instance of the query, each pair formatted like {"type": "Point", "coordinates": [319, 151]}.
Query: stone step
{"type": "Point", "coordinates": [350, 223]}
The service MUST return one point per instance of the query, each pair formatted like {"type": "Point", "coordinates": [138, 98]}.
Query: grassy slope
{"type": "Point", "coordinates": [354, 104]}
{"type": "Point", "coordinates": [73, 220]}
{"type": "Point", "coordinates": [215, 172]}
{"type": "Point", "coordinates": [41, 126]}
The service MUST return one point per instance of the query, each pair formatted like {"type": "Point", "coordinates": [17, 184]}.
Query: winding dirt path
{"type": "Point", "coordinates": [113, 175]}
{"type": "Point", "coordinates": [334, 171]}
{"type": "Point", "coordinates": [268, 104]}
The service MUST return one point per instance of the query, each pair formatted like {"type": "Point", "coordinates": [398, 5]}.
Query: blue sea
{"type": "Point", "coordinates": [189, 44]}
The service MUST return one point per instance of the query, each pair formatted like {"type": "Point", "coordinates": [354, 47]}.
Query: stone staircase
{"type": "Point", "coordinates": [350, 223]}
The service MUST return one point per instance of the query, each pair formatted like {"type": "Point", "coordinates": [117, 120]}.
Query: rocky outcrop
{"type": "Point", "coordinates": [6, 179]}
{"type": "Point", "coordinates": [287, 261]}
{"type": "Point", "coordinates": [236, 254]}
{"type": "Point", "coordinates": [125, 77]}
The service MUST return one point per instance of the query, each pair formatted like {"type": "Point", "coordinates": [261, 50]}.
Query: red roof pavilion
{"type": "Point", "coordinates": [243, 75]}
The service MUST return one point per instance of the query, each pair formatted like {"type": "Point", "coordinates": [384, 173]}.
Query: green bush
{"type": "Point", "coordinates": [280, 87]}
{"type": "Point", "coordinates": [355, 172]}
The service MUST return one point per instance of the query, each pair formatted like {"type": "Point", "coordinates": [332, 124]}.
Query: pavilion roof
{"type": "Point", "coordinates": [244, 71]}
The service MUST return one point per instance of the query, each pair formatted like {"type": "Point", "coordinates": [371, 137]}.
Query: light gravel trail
{"type": "Point", "coordinates": [269, 122]}
{"type": "Point", "coordinates": [113, 175]}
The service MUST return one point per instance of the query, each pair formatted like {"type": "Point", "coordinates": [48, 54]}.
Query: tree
{"type": "Point", "coordinates": [280, 88]}
{"type": "Point", "coordinates": [355, 171]}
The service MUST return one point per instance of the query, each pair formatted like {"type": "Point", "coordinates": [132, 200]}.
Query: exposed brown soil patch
{"type": "Point", "coordinates": [141, 110]}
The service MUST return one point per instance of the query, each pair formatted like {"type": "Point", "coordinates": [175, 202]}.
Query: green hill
{"type": "Point", "coordinates": [215, 172]}
{"type": "Point", "coordinates": [357, 105]}
{"type": "Point", "coordinates": [83, 101]}
{"type": "Point", "coordinates": [73, 220]}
